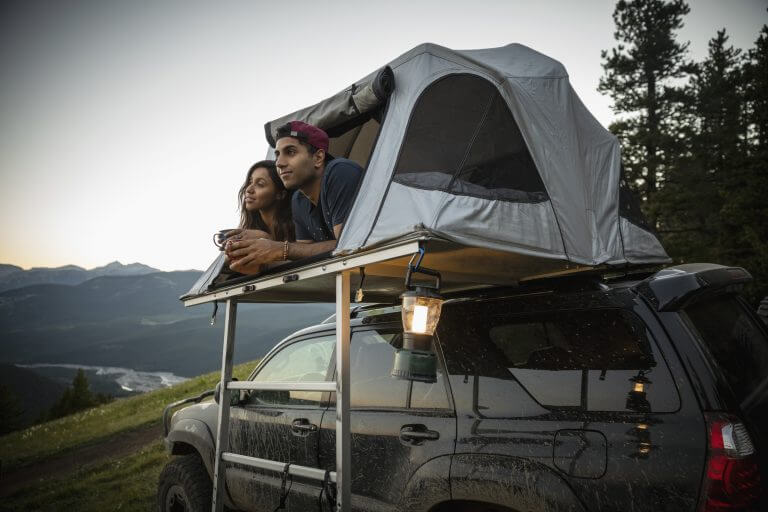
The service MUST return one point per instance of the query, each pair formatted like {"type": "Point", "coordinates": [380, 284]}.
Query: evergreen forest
{"type": "Point", "coordinates": [694, 136]}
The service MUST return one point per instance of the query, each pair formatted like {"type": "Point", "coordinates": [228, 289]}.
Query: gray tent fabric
{"type": "Point", "coordinates": [576, 218]}
{"type": "Point", "coordinates": [207, 278]}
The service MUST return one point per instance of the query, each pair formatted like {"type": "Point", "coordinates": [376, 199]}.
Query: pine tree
{"type": "Point", "coordinates": [721, 148]}
{"type": "Point", "coordinates": [709, 159]}
{"type": "Point", "coordinates": [63, 405]}
{"type": "Point", "coordinates": [11, 411]}
{"type": "Point", "coordinates": [641, 75]}
{"type": "Point", "coordinates": [74, 399]}
{"type": "Point", "coordinates": [748, 202]}
{"type": "Point", "coordinates": [756, 74]}
{"type": "Point", "coordinates": [719, 104]}
{"type": "Point", "coordinates": [82, 397]}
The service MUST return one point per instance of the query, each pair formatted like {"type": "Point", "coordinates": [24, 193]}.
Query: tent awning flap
{"type": "Point", "coordinates": [345, 110]}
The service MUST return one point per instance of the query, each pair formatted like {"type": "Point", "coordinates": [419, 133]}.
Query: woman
{"type": "Point", "coordinates": [265, 206]}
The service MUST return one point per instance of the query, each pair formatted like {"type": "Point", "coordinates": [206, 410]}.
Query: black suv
{"type": "Point", "coordinates": [634, 393]}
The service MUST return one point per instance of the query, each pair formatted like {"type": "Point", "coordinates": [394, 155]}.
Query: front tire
{"type": "Point", "coordinates": [184, 486]}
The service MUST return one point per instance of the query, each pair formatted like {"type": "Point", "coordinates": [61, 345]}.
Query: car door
{"type": "Point", "coordinates": [281, 426]}
{"type": "Point", "coordinates": [403, 432]}
{"type": "Point", "coordinates": [582, 398]}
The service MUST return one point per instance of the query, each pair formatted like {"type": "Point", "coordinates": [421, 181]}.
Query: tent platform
{"type": "Point", "coordinates": [461, 267]}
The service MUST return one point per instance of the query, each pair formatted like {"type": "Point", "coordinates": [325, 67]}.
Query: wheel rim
{"type": "Point", "coordinates": [176, 499]}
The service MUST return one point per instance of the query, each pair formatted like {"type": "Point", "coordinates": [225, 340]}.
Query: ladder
{"type": "Point", "coordinates": [341, 477]}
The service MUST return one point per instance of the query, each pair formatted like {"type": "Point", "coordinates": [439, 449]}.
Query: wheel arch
{"type": "Point", "coordinates": [189, 436]}
{"type": "Point", "coordinates": [469, 506]}
{"type": "Point", "coordinates": [513, 483]}
{"type": "Point", "coordinates": [428, 486]}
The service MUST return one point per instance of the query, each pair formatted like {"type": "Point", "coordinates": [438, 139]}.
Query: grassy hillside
{"type": "Point", "coordinates": [127, 485]}
{"type": "Point", "coordinates": [94, 425]}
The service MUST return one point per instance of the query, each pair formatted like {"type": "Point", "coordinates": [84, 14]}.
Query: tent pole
{"type": "Point", "coordinates": [343, 434]}
{"type": "Point", "coordinates": [222, 429]}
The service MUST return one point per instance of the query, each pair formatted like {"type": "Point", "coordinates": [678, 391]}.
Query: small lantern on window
{"type": "Point", "coordinates": [637, 399]}
{"type": "Point", "coordinates": [421, 312]}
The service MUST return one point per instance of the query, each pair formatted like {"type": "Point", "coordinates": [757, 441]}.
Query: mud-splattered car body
{"type": "Point", "coordinates": [564, 395]}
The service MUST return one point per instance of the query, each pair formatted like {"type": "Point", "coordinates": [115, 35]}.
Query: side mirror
{"type": "Point", "coordinates": [234, 398]}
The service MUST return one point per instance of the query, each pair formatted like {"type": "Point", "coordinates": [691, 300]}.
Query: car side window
{"type": "Point", "coordinates": [736, 343]}
{"type": "Point", "coordinates": [591, 360]}
{"type": "Point", "coordinates": [302, 361]}
{"type": "Point", "coordinates": [372, 353]}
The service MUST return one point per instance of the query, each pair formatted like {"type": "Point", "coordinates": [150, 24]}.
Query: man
{"type": "Point", "coordinates": [324, 194]}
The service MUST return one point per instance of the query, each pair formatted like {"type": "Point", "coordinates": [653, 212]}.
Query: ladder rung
{"type": "Point", "coordinates": [273, 465]}
{"type": "Point", "coordinates": [283, 386]}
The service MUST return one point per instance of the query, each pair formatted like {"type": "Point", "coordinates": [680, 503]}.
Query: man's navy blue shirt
{"type": "Point", "coordinates": [337, 194]}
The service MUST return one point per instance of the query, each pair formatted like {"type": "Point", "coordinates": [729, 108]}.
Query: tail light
{"type": "Point", "coordinates": [732, 478]}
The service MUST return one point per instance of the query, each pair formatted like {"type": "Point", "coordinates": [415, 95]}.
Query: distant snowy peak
{"type": "Point", "coordinates": [12, 277]}
{"type": "Point", "coordinates": [118, 269]}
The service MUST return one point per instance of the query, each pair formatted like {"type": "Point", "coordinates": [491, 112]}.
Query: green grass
{"type": "Point", "coordinates": [128, 484]}
{"type": "Point", "coordinates": [96, 424]}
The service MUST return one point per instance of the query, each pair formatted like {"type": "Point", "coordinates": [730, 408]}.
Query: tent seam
{"type": "Point", "coordinates": [551, 202]}
{"type": "Point", "coordinates": [464, 194]}
{"type": "Point", "coordinates": [518, 77]}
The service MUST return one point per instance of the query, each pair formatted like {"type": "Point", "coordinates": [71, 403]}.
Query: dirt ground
{"type": "Point", "coordinates": [113, 447]}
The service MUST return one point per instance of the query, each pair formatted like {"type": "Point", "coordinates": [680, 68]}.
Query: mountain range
{"type": "Point", "coordinates": [135, 321]}
{"type": "Point", "coordinates": [12, 276]}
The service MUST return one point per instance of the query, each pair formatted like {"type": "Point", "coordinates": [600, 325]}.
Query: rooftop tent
{"type": "Point", "coordinates": [488, 148]}
{"type": "Point", "coordinates": [492, 156]}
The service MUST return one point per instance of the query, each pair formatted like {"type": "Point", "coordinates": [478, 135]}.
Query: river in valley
{"type": "Point", "coordinates": [126, 380]}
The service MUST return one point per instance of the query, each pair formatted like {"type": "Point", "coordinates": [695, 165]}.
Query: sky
{"type": "Point", "coordinates": [127, 127]}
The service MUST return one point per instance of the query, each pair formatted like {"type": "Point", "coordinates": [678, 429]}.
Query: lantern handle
{"type": "Point", "coordinates": [421, 257]}
{"type": "Point", "coordinates": [422, 270]}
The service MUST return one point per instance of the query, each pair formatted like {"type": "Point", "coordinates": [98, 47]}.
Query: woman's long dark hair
{"type": "Point", "coordinates": [283, 227]}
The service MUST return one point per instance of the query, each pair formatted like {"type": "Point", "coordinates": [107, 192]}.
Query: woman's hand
{"type": "Point", "coordinates": [246, 234]}
{"type": "Point", "coordinates": [248, 256]}
{"type": "Point", "coordinates": [238, 235]}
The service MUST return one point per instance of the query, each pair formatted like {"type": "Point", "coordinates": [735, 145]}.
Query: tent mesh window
{"type": "Point", "coordinates": [629, 206]}
{"type": "Point", "coordinates": [463, 139]}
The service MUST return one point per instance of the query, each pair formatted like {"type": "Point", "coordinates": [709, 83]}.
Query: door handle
{"type": "Point", "coordinates": [417, 434]}
{"type": "Point", "coordinates": [302, 426]}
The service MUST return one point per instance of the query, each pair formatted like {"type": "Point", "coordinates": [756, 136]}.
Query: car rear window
{"type": "Point", "coordinates": [734, 340]}
{"type": "Point", "coordinates": [591, 360]}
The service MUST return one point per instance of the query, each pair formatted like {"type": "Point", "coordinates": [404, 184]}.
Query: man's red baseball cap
{"type": "Point", "coordinates": [305, 133]}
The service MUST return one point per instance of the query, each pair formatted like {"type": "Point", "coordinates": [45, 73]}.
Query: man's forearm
{"type": "Point", "coordinates": [298, 250]}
